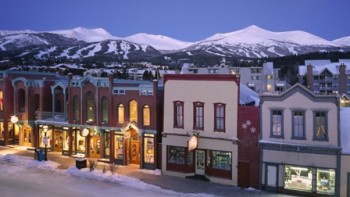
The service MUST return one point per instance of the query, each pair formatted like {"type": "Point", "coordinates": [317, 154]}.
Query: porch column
{"type": "Point", "coordinates": [64, 103]}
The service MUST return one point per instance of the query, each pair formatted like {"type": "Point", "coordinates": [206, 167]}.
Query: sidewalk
{"type": "Point", "coordinates": [166, 182]}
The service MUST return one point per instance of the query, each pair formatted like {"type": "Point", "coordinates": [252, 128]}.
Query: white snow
{"type": "Point", "coordinates": [345, 41]}
{"type": "Point", "coordinates": [158, 42]}
{"type": "Point", "coordinates": [247, 95]}
{"type": "Point", "coordinates": [257, 35]}
{"type": "Point", "coordinates": [87, 35]}
{"type": "Point", "coordinates": [48, 51]}
{"type": "Point", "coordinates": [345, 129]}
{"type": "Point", "coordinates": [85, 173]}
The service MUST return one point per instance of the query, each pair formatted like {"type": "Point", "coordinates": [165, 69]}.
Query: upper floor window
{"type": "Point", "coordinates": [76, 109]}
{"type": "Point", "coordinates": [198, 116]}
{"type": "Point", "coordinates": [298, 125]}
{"type": "Point", "coordinates": [178, 114]}
{"type": "Point", "coordinates": [219, 116]}
{"type": "Point", "coordinates": [104, 109]}
{"type": "Point", "coordinates": [133, 111]}
{"type": "Point", "coordinates": [90, 107]}
{"type": "Point", "coordinates": [120, 114]}
{"type": "Point", "coordinates": [320, 126]}
{"type": "Point", "coordinates": [277, 123]}
{"type": "Point", "coordinates": [1, 100]}
{"type": "Point", "coordinates": [146, 116]}
{"type": "Point", "coordinates": [21, 99]}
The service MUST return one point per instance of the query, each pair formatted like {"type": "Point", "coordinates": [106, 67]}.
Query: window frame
{"type": "Point", "coordinates": [219, 118]}
{"type": "Point", "coordinates": [176, 114]}
{"type": "Point", "coordinates": [104, 109]}
{"type": "Point", "coordinates": [121, 119]}
{"type": "Point", "coordinates": [90, 98]}
{"type": "Point", "coordinates": [325, 138]}
{"type": "Point", "coordinates": [303, 137]}
{"type": "Point", "coordinates": [76, 108]}
{"type": "Point", "coordinates": [197, 118]}
{"type": "Point", "coordinates": [272, 135]}
{"type": "Point", "coordinates": [133, 117]}
{"type": "Point", "coordinates": [144, 108]}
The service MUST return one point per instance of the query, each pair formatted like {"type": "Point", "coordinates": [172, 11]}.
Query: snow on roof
{"type": "Point", "coordinates": [345, 129]}
{"type": "Point", "coordinates": [318, 68]}
{"type": "Point", "coordinates": [247, 96]}
{"type": "Point", "coordinates": [317, 62]}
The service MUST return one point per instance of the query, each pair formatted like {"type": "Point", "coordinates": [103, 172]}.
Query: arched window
{"type": "Point", "coordinates": [90, 107]}
{"type": "Point", "coordinates": [21, 99]}
{"type": "Point", "coordinates": [76, 109]}
{"type": "Point", "coordinates": [120, 114]}
{"type": "Point", "coordinates": [146, 115]}
{"type": "Point", "coordinates": [104, 109]}
{"type": "Point", "coordinates": [36, 102]}
{"type": "Point", "coordinates": [133, 111]}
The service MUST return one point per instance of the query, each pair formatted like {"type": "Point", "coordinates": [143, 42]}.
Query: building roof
{"type": "Point", "coordinates": [319, 68]}
{"type": "Point", "coordinates": [248, 96]}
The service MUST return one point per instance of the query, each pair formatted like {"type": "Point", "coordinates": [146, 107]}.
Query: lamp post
{"type": "Point", "coordinates": [14, 120]}
{"type": "Point", "coordinates": [45, 127]}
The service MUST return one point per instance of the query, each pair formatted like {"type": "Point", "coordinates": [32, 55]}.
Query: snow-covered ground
{"type": "Point", "coordinates": [128, 185]}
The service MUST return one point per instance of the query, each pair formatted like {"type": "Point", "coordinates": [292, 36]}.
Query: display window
{"type": "Point", "coordinates": [2, 134]}
{"type": "Point", "coordinates": [325, 181]}
{"type": "Point", "coordinates": [148, 143]}
{"type": "Point", "coordinates": [298, 178]}
{"type": "Point", "coordinates": [176, 155]}
{"type": "Point", "coordinates": [79, 144]}
{"type": "Point", "coordinates": [65, 140]}
{"type": "Point", "coordinates": [119, 147]}
{"type": "Point", "coordinates": [221, 160]}
{"type": "Point", "coordinates": [42, 138]}
{"type": "Point", "coordinates": [107, 144]}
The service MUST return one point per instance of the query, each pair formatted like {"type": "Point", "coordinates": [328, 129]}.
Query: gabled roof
{"type": "Point", "coordinates": [300, 89]}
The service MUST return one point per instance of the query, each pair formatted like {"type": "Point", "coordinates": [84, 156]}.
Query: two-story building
{"type": "Point", "coordinates": [300, 148]}
{"type": "Point", "coordinates": [200, 127]}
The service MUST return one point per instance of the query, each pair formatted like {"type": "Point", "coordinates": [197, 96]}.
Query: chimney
{"type": "Point", "coordinates": [310, 77]}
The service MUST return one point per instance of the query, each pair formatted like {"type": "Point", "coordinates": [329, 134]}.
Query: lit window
{"type": "Point", "coordinates": [76, 110]}
{"type": "Point", "coordinates": [1, 100]}
{"type": "Point", "coordinates": [146, 115]}
{"type": "Point", "coordinates": [198, 123]}
{"type": "Point", "coordinates": [90, 107]}
{"type": "Point", "coordinates": [320, 126]}
{"type": "Point", "coordinates": [219, 124]}
{"type": "Point", "coordinates": [277, 123]}
{"type": "Point", "coordinates": [133, 111]}
{"type": "Point", "coordinates": [120, 114]}
{"type": "Point", "coordinates": [326, 181]}
{"type": "Point", "coordinates": [178, 114]}
{"type": "Point", "coordinates": [297, 178]}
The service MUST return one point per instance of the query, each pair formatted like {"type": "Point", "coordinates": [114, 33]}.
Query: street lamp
{"type": "Point", "coordinates": [45, 127]}
{"type": "Point", "coordinates": [14, 120]}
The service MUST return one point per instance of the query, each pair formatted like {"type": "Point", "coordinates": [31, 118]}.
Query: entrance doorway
{"type": "Point", "coordinates": [95, 147]}
{"type": "Point", "coordinates": [132, 145]}
{"type": "Point", "coordinates": [200, 162]}
{"type": "Point", "coordinates": [243, 174]}
{"type": "Point", "coordinates": [58, 142]}
{"type": "Point", "coordinates": [271, 177]}
{"type": "Point", "coordinates": [27, 136]}
{"type": "Point", "coordinates": [135, 153]}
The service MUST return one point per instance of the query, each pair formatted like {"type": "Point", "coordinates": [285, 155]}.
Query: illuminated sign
{"type": "Point", "coordinates": [192, 143]}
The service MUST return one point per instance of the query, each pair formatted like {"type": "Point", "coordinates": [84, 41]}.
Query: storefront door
{"type": "Point", "coordinates": [200, 162]}
{"type": "Point", "coordinates": [57, 146]}
{"type": "Point", "coordinates": [27, 137]}
{"type": "Point", "coordinates": [271, 177]}
{"type": "Point", "coordinates": [95, 147]}
{"type": "Point", "coordinates": [135, 153]}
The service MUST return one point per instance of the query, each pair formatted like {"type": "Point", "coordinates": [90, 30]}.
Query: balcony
{"type": "Point", "coordinates": [51, 116]}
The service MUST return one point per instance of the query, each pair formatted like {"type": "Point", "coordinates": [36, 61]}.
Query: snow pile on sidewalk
{"type": "Point", "coordinates": [85, 173]}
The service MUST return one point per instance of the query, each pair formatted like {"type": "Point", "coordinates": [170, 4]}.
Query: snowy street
{"type": "Point", "coordinates": [24, 181]}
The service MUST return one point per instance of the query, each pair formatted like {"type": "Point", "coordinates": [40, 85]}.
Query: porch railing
{"type": "Point", "coordinates": [52, 116]}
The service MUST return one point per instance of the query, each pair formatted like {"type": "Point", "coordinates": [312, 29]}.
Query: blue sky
{"type": "Point", "coordinates": [188, 20]}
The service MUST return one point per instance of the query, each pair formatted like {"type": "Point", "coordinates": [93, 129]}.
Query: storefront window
{"type": "Point", "coordinates": [325, 181]}
{"type": "Point", "coordinates": [65, 140]}
{"type": "Point", "coordinates": [176, 155]}
{"type": "Point", "coordinates": [2, 134]}
{"type": "Point", "coordinates": [81, 144]}
{"type": "Point", "coordinates": [297, 178]}
{"type": "Point", "coordinates": [221, 160]}
{"type": "Point", "coordinates": [149, 148]}
{"type": "Point", "coordinates": [41, 138]}
{"type": "Point", "coordinates": [119, 146]}
{"type": "Point", "coordinates": [107, 144]}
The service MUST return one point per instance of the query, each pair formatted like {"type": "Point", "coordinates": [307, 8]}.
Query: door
{"type": "Point", "coordinates": [200, 162]}
{"type": "Point", "coordinates": [135, 153]}
{"type": "Point", "coordinates": [27, 137]}
{"type": "Point", "coordinates": [271, 177]}
{"type": "Point", "coordinates": [57, 141]}
{"type": "Point", "coordinates": [95, 147]}
{"type": "Point", "coordinates": [243, 174]}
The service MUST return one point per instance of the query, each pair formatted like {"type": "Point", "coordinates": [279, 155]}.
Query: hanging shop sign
{"type": "Point", "coordinates": [192, 143]}
{"type": "Point", "coordinates": [85, 132]}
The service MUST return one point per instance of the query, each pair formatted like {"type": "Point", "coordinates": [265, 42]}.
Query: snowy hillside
{"type": "Point", "coordinates": [87, 35]}
{"type": "Point", "coordinates": [159, 42]}
{"type": "Point", "coordinates": [345, 41]}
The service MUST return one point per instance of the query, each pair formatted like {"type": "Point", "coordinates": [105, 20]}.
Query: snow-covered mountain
{"type": "Point", "coordinates": [256, 42]}
{"type": "Point", "coordinates": [345, 41]}
{"type": "Point", "coordinates": [87, 35]}
{"type": "Point", "coordinates": [251, 42]}
{"type": "Point", "coordinates": [159, 42]}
